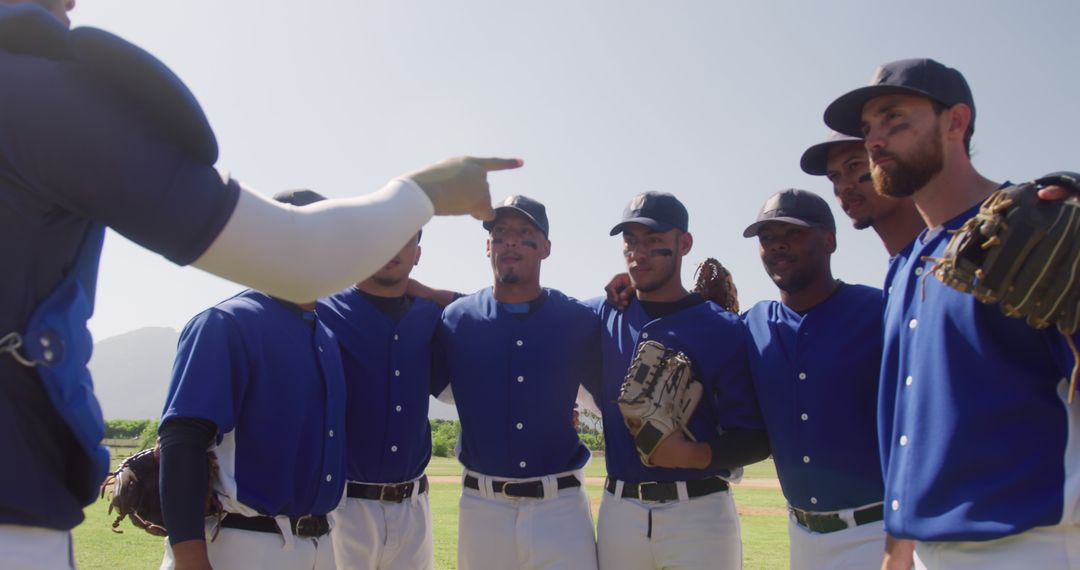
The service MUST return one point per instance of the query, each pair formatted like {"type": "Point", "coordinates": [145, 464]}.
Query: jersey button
{"type": "Point", "coordinates": [331, 433]}
{"type": "Point", "coordinates": [813, 500]}
{"type": "Point", "coordinates": [903, 440]}
{"type": "Point", "coordinates": [393, 448]}
{"type": "Point", "coordinates": [397, 373]}
{"type": "Point", "coordinates": [320, 349]}
{"type": "Point", "coordinates": [806, 459]}
{"type": "Point", "coordinates": [895, 505]}
{"type": "Point", "coordinates": [644, 335]}
{"type": "Point", "coordinates": [395, 337]}
{"type": "Point", "coordinates": [804, 417]}
{"type": "Point", "coordinates": [918, 271]}
{"type": "Point", "coordinates": [802, 376]}
{"type": "Point", "coordinates": [522, 464]}
{"type": "Point", "coordinates": [520, 425]}
{"type": "Point", "coordinates": [521, 343]}
{"type": "Point", "coordinates": [329, 477]}
{"type": "Point", "coordinates": [913, 323]}
{"type": "Point", "coordinates": [907, 381]}
{"type": "Point", "coordinates": [521, 379]}
{"type": "Point", "coordinates": [397, 408]}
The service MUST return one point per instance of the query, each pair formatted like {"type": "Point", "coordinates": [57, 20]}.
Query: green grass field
{"type": "Point", "coordinates": [762, 511]}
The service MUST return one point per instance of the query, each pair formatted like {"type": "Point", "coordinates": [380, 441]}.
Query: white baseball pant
{"type": "Point", "coordinates": [699, 533]}
{"type": "Point", "coordinates": [242, 549]}
{"type": "Point", "coordinates": [853, 548]}
{"type": "Point", "coordinates": [380, 535]}
{"type": "Point", "coordinates": [500, 533]}
{"type": "Point", "coordinates": [1042, 547]}
{"type": "Point", "coordinates": [35, 548]}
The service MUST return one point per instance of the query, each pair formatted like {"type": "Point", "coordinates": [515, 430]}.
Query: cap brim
{"type": "Point", "coordinates": [752, 229]}
{"type": "Point", "coordinates": [844, 115]}
{"type": "Point", "coordinates": [491, 223]}
{"type": "Point", "coordinates": [815, 161]}
{"type": "Point", "coordinates": [647, 222]}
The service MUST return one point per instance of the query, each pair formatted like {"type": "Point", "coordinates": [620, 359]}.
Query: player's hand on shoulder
{"type": "Point", "coordinates": [619, 291]}
{"type": "Point", "coordinates": [459, 185]}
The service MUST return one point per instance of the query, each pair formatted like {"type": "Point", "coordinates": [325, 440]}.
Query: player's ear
{"type": "Point", "coordinates": [830, 241]}
{"type": "Point", "coordinates": [418, 252]}
{"type": "Point", "coordinates": [959, 116]}
{"type": "Point", "coordinates": [686, 243]}
{"type": "Point", "coordinates": [545, 248]}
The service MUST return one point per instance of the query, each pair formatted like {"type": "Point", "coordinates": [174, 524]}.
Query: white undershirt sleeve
{"type": "Point", "coordinates": [301, 254]}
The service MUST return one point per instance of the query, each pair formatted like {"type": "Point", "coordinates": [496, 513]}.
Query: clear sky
{"type": "Point", "coordinates": [713, 101]}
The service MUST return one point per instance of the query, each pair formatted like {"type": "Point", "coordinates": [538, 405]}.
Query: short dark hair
{"type": "Point", "coordinates": [940, 108]}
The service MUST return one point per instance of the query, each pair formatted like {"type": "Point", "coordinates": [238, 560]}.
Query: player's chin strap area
{"type": "Point", "coordinates": [11, 343]}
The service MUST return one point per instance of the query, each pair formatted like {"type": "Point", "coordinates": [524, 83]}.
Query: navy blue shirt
{"type": "Point", "coordinates": [273, 384]}
{"type": "Point", "coordinates": [973, 424]}
{"type": "Point", "coordinates": [388, 374]}
{"type": "Point", "coordinates": [816, 376]}
{"type": "Point", "coordinates": [70, 155]}
{"type": "Point", "coordinates": [515, 381]}
{"type": "Point", "coordinates": [717, 344]}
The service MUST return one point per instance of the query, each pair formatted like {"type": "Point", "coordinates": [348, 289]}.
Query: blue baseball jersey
{"type": "Point", "coordinates": [816, 376]}
{"type": "Point", "coordinates": [974, 430]}
{"type": "Point", "coordinates": [717, 344]}
{"type": "Point", "coordinates": [515, 379]}
{"type": "Point", "coordinates": [272, 382]}
{"type": "Point", "coordinates": [71, 155]}
{"type": "Point", "coordinates": [388, 375]}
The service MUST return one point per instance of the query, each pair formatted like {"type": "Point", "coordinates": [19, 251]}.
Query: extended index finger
{"type": "Point", "coordinates": [493, 164]}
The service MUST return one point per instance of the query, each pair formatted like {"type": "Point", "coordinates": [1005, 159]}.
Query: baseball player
{"type": "Point", "coordinates": [515, 355]}
{"type": "Point", "coordinates": [99, 133]}
{"type": "Point", "coordinates": [259, 382]}
{"type": "Point", "coordinates": [680, 514]}
{"type": "Point", "coordinates": [816, 358]}
{"type": "Point", "coordinates": [386, 339]}
{"type": "Point", "coordinates": [842, 159]}
{"type": "Point", "coordinates": [974, 426]}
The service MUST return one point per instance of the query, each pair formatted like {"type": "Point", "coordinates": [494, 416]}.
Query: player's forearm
{"type": "Point", "coordinates": [191, 555]}
{"type": "Point", "coordinates": [301, 254]}
{"type": "Point", "coordinates": [738, 447]}
{"type": "Point", "coordinates": [185, 475]}
{"type": "Point", "coordinates": [899, 553]}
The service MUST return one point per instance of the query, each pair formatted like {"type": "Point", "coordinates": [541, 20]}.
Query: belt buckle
{"type": "Point", "coordinates": [641, 490]}
{"type": "Point", "coordinates": [393, 493]}
{"type": "Point", "coordinates": [503, 492]}
{"type": "Point", "coordinates": [306, 526]}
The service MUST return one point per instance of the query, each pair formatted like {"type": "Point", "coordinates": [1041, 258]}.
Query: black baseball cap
{"type": "Point", "coordinates": [793, 206]}
{"type": "Point", "coordinates": [535, 211]}
{"type": "Point", "coordinates": [299, 197]}
{"type": "Point", "coordinates": [659, 211]}
{"type": "Point", "coordinates": [924, 77]}
{"type": "Point", "coordinates": [815, 160]}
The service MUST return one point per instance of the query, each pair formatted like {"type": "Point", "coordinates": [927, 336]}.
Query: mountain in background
{"type": "Point", "coordinates": [131, 374]}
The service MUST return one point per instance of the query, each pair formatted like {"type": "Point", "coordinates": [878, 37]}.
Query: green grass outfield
{"type": "Point", "coordinates": [762, 511]}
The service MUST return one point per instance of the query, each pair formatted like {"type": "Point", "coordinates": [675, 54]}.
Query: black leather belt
{"type": "Point", "coordinates": [393, 493]}
{"type": "Point", "coordinates": [661, 491]}
{"type": "Point", "coordinates": [307, 525]}
{"type": "Point", "coordinates": [533, 489]}
{"type": "Point", "coordinates": [831, 522]}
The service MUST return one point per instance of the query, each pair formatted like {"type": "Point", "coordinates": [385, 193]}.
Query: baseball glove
{"type": "Point", "coordinates": [1023, 253]}
{"type": "Point", "coordinates": [135, 492]}
{"type": "Point", "coordinates": [658, 396]}
{"type": "Point", "coordinates": [714, 282]}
